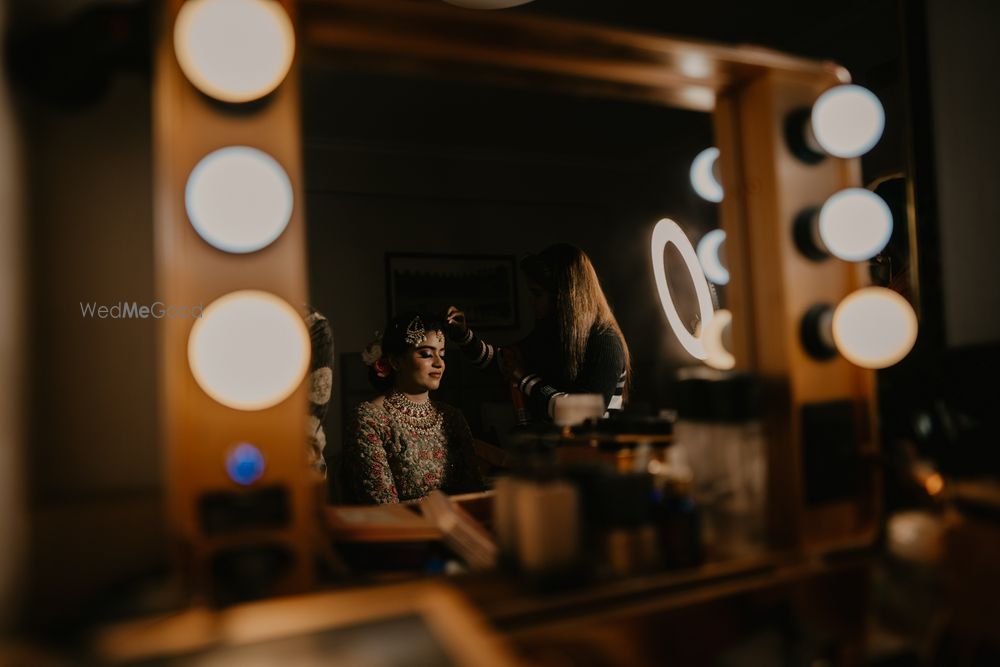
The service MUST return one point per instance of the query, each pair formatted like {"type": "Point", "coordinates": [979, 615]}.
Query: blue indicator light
{"type": "Point", "coordinates": [245, 464]}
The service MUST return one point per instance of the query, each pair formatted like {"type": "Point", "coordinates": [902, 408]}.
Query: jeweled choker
{"type": "Point", "coordinates": [400, 402]}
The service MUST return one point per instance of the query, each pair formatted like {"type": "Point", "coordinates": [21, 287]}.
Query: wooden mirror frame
{"type": "Point", "coordinates": [750, 92]}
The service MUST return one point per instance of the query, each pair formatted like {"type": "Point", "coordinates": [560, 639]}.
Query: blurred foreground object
{"type": "Point", "coordinates": [421, 623]}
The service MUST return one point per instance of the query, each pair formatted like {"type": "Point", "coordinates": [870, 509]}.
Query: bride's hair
{"type": "Point", "coordinates": [398, 337]}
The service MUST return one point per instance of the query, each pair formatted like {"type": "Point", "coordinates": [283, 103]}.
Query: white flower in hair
{"type": "Point", "coordinates": [373, 351]}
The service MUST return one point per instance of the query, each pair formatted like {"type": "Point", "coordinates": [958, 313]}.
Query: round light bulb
{"type": "Point", "coordinates": [487, 4]}
{"type": "Point", "coordinates": [249, 350]}
{"type": "Point", "coordinates": [702, 175]}
{"type": "Point", "coordinates": [696, 65]}
{"type": "Point", "coordinates": [847, 120]}
{"type": "Point", "coordinates": [668, 231]}
{"type": "Point", "coordinates": [708, 255]}
{"type": "Point", "coordinates": [855, 224]}
{"type": "Point", "coordinates": [239, 199]}
{"type": "Point", "coordinates": [874, 327]}
{"type": "Point", "coordinates": [234, 50]}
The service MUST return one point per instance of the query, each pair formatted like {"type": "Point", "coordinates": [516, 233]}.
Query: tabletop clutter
{"type": "Point", "coordinates": [591, 497]}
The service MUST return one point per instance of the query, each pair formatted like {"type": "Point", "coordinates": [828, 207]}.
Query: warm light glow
{"type": "Point", "coordinates": [249, 350]}
{"type": "Point", "coordinates": [847, 120]}
{"type": "Point", "coordinates": [855, 224]}
{"type": "Point", "coordinates": [487, 4]}
{"type": "Point", "coordinates": [718, 356]}
{"type": "Point", "coordinates": [874, 327]}
{"type": "Point", "coordinates": [934, 484]}
{"type": "Point", "coordinates": [917, 536]}
{"type": "Point", "coordinates": [234, 50]}
{"type": "Point", "coordinates": [696, 65]}
{"type": "Point", "coordinates": [698, 97]}
{"type": "Point", "coordinates": [239, 199]}
{"type": "Point", "coordinates": [667, 231]}
{"type": "Point", "coordinates": [708, 255]}
{"type": "Point", "coordinates": [702, 174]}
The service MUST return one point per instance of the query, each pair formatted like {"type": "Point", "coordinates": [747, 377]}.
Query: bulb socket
{"type": "Point", "coordinates": [805, 232]}
{"type": "Point", "coordinates": [816, 332]}
{"type": "Point", "coordinates": [799, 137]}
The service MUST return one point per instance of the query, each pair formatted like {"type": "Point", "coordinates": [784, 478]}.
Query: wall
{"type": "Point", "coordinates": [94, 458]}
{"type": "Point", "coordinates": [963, 53]}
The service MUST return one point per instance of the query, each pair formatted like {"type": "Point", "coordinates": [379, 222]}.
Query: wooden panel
{"type": "Point", "coordinates": [197, 430]}
{"type": "Point", "coordinates": [775, 285]}
{"type": "Point", "coordinates": [731, 219]}
{"type": "Point", "coordinates": [438, 39]}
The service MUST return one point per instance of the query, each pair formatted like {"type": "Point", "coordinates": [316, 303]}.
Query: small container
{"type": "Point", "coordinates": [547, 525]}
{"type": "Point", "coordinates": [536, 512]}
{"type": "Point", "coordinates": [620, 523]}
{"type": "Point", "coordinates": [738, 436]}
{"type": "Point", "coordinates": [574, 409]}
{"type": "Point", "coordinates": [678, 523]}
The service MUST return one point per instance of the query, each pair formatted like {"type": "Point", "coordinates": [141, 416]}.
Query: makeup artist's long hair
{"type": "Point", "coordinates": [567, 274]}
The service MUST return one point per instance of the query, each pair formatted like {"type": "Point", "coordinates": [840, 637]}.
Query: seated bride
{"type": "Point", "coordinates": [403, 445]}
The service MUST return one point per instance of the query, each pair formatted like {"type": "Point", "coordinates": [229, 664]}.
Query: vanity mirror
{"type": "Point", "coordinates": [413, 130]}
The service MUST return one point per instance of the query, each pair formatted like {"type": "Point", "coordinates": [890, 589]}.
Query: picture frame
{"type": "Point", "coordinates": [483, 286]}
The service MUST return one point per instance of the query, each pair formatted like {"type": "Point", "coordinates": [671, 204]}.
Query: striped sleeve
{"type": "Point", "coordinates": [483, 355]}
{"type": "Point", "coordinates": [541, 395]}
{"type": "Point", "coordinates": [602, 372]}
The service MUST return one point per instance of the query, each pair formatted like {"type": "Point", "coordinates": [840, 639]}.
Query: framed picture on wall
{"type": "Point", "coordinates": [484, 286]}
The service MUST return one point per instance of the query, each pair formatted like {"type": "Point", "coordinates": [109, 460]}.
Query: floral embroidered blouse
{"type": "Point", "coordinates": [401, 450]}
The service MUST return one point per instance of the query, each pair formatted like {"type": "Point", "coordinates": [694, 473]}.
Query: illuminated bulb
{"type": "Point", "coordinates": [487, 4]}
{"type": "Point", "coordinates": [708, 255]}
{"type": "Point", "coordinates": [847, 121]}
{"type": "Point", "coordinates": [855, 224]}
{"type": "Point", "coordinates": [234, 50]}
{"type": "Point", "coordinates": [874, 327]}
{"type": "Point", "coordinates": [916, 536]}
{"type": "Point", "coordinates": [696, 65]}
{"type": "Point", "coordinates": [934, 484]}
{"type": "Point", "coordinates": [249, 350]}
{"type": "Point", "coordinates": [668, 231]}
{"type": "Point", "coordinates": [717, 354]}
{"type": "Point", "coordinates": [239, 199]}
{"type": "Point", "coordinates": [702, 174]}
{"type": "Point", "coordinates": [244, 464]}
{"type": "Point", "coordinates": [698, 97]}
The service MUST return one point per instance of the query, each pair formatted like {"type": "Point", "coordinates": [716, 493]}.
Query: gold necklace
{"type": "Point", "coordinates": [422, 417]}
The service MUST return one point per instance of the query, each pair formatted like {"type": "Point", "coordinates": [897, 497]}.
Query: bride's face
{"type": "Point", "coordinates": [420, 369]}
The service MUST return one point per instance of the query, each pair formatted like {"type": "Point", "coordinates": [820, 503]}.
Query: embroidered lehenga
{"type": "Point", "coordinates": [401, 450]}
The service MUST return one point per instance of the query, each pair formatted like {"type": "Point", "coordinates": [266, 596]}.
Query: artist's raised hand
{"type": "Point", "coordinates": [458, 328]}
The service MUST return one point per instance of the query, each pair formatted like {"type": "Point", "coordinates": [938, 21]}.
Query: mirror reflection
{"type": "Point", "coordinates": [506, 231]}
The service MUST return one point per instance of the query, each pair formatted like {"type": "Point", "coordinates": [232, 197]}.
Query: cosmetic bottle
{"type": "Point", "coordinates": [719, 438]}
{"type": "Point", "coordinates": [696, 453]}
{"type": "Point", "coordinates": [536, 514]}
{"type": "Point", "coordinates": [737, 434]}
{"type": "Point", "coordinates": [677, 518]}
